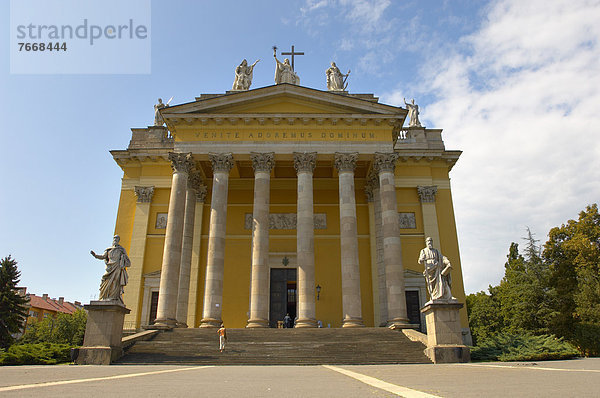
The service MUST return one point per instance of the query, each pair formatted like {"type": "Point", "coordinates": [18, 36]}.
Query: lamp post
{"type": "Point", "coordinates": [318, 291]}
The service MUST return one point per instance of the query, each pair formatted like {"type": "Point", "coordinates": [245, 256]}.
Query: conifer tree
{"type": "Point", "coordinates": [13, 308]}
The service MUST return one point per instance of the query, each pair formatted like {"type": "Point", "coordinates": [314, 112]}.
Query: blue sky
{"type": "Point", "coordinates": [515, 85]}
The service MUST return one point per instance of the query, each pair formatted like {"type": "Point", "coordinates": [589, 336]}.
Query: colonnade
{"type": "Point", "coordinates": [174, 283]}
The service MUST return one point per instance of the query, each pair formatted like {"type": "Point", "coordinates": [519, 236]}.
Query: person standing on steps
{"type": "Point", "coordinates": [287, 321]}
{"type": "Point", "coordinates": [222, 337]}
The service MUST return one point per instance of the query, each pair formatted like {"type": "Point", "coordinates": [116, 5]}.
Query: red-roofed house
{"type": "Point", "coordinates": [44, 306]}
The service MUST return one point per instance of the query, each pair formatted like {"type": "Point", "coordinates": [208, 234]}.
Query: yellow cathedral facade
{"type": "Point", "coordinates": [254, 204]}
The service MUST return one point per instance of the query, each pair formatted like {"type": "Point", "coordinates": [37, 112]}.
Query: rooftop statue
{"type": "Point", "coordinates": [336, 81]}
{"type": "Point", "coordinates": [436, 273]}
{"type": "Point", "coordinates": [115, 276]}
{"type": "Point", "coordinates": [413, 113]}
{"type": "Point", "coordinates": [243, 76]}
{"type": "Point", "coordinates": [284, 73]}
{"type": "Point", "coordinates": [158, 119]}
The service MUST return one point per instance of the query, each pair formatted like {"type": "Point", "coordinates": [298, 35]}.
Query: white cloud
{"type": "Point", "coordinates": [520, 98]}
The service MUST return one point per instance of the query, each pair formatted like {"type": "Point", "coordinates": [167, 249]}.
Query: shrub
{"type": "Point", "coordinates": [511, 347]}
{"type": "Point", "coordinates": [36, 354]}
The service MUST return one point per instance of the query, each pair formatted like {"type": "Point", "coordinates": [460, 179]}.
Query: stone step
{"type": "Point", "coordinates": [277, 347]}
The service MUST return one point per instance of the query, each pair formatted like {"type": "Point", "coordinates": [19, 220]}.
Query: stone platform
{"type": "Point", "coordinates": [278, 347]}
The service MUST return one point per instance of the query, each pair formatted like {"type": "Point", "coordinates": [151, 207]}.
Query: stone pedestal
{"type": "Point", "coordinates": [444, 333]}
{"type": "Point", "coordinates": [103, 333]}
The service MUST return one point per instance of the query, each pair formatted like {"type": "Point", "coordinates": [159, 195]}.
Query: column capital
{"type": "Point", "coordinates": [181, 162]}
{"type": "Point", "coordinates": [221, 161]}
{"type": "Point", "coordinates": [427, 193]}
{"type": "Point", "coordinates": [385, 162]}
{"type": "Point", "coordinates": [305, 161]}
{"type": "Point", "coordinates": [262, 161]}
{"type": "Point", "coordinates": [144, 194]}
{"type": "Point", "coordinates": [345, 161]}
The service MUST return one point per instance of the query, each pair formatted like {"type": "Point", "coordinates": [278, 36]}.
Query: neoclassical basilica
{"type": "Point", "coordinates": [257, 203]}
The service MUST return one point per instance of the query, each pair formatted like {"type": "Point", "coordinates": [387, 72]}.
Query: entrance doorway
{"type": "Point", "coordinates": [283, 295]}
{"type": "Point", "coordinates": [413, 308]}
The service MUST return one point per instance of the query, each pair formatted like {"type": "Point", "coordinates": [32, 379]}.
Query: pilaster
{"type": "Point", "coordinates": [427, 196]}
{"type": "Point", "coordinates": [137, 249]}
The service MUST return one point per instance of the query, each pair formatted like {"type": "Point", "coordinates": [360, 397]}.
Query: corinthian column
{"type": "Point", "coordinates": [215, 262]}
{"type": "Point", "coordinates": [304, 163]}
{"type": "Point", "coordinates": [351, 301]}
{"type": "Point", "coordinates": [259, 288]}
{"type": "Point", "coordinates": [193, 187]}
{"type": "Point", "coordinates": [385, 164]}
{"type": "Point", "coordinates": [169, 276]}
{"type": "Point", "coordinates": [195, 268]}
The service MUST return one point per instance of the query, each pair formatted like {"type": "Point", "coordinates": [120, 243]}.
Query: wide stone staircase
{"type": "Point", "coordinates": [277, 347]}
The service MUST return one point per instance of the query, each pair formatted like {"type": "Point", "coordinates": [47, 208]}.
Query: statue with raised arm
{"type": "Point", "coordinates": [436, 273]}
{"type": "Point", "coordinates": [115, 277]}
{"type": "Point", "coordinates": [284, 72]}
{"type": "Point", "coordinates": [413, 113]}
{"type": "Point", "coordinates": [336, 80]}
{"type": "Point", "coordinates": [158, 119]}
{"type": "Point", "coordinates": [243, 76]}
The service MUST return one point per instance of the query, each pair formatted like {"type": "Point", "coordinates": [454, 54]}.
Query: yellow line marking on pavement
{"type": "Point", "coordinates": [534, 367]}
{"type": "Point", "coordinates": [393, 388]}
{"type": "Point", "coordinates": [63, 382]}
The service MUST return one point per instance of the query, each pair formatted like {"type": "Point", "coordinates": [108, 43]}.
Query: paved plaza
{"type": "Point", "coordinates": [576, 378]}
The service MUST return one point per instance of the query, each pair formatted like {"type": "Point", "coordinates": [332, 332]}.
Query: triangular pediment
{"type": "Point", "coordinates": [282, 99]}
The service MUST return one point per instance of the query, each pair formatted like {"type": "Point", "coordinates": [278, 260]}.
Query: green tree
{"type": "Point", "coordinates": [484, 315]}
{"type": "Point", "coordinates": [62, 329]}
{"type": "Point", "coordinates": [13, 307]}
{"type": "Point", "coordinates": [573, 253]}
{"type": "Point", "coordinates": [525, 301]}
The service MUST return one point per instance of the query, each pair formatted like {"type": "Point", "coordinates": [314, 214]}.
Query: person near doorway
{"type": "Point", "coordinates": [222, 332]}
{"type": "Point", "coordinates": [287, 321]}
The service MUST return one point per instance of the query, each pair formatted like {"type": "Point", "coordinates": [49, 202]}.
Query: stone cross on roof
{"type": "Point", "coordinates": [292, 53]}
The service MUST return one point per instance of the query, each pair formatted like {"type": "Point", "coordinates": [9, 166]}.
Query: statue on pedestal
{"type": "Point", "coordinates": [336, 80]}
{"type": "Point", "coordinates": [436, 273]}
{"type": "Point", "coordinates": [158, 120]}
{"type": "Point", "coordinates": [115, 277]}
{"type": "Point", "coordinates": [284, 72]}
{"type": "Point", "coordinates": [243, 76]}
{"type": "Point", "coordinates": [413, 113]}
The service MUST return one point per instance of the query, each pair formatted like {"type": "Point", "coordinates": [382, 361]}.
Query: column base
{"type": "Point", "coordinates": [210, 323]}
{"type": "Point", "coordinates": [162, 324]}
{"type": "Point", "coordinates": [400, 323]}
{"type": "Point", "coordinates": [353, 323]}
{"type": "Point", "coordinates": [306, 323]}
{"type": "Point", "coordinates": [257, 323]}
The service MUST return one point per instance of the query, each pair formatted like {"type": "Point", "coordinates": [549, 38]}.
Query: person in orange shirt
{"type": "Point", "coordinates": [222, 337]}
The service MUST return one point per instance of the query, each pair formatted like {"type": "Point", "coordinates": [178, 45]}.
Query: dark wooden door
{"type": "Point", "coordinates": [153, 307]}
{"type": "Point", "coordinates": [413, 307]}
{"type": "Point", "coordinates": [283, 295]}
